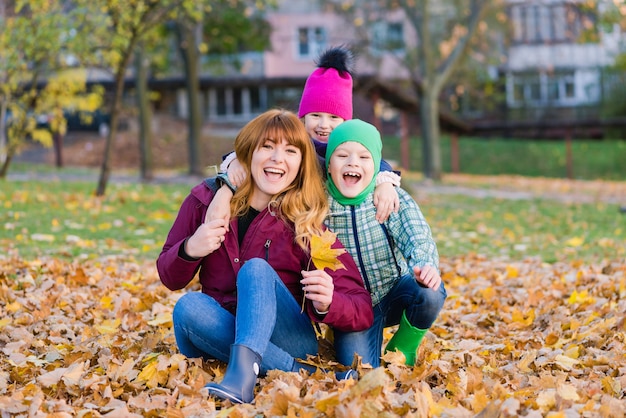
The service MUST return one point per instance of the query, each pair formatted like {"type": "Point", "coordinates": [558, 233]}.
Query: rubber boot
{"type": "Point", "coordinates": [344, 375]}
{"type": "Point", "coordinates": [407, 339]}
{"type": "Point", "coordinates": [240, 377]}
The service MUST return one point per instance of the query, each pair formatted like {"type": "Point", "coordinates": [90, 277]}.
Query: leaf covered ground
{"type": "Point", "coordinates": [93, 338]}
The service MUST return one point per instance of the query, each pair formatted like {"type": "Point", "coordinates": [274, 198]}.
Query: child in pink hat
{"type": "Point", "coordinates": [326, 102]}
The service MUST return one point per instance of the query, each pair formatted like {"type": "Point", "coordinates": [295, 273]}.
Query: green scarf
{"type": "Point", "coordinates": [365, 134]}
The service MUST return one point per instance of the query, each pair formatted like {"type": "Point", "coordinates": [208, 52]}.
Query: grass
{"type": "Point", "coordinates": [545, 158]}
{"type": "Point", "coordinates": [64, 219]}
{"type": "Point", "coordinates": [517, 229]}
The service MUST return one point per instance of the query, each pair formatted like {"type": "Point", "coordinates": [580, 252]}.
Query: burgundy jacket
{"type": "Point", "coordinates": [272, 239]}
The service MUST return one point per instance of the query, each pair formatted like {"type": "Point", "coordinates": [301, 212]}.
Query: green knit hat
{"type": "Point", "coordinates": [354, 130]}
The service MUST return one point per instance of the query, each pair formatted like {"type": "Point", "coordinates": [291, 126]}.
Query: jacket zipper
{"type": "Point", "coordinates": [267, 250]}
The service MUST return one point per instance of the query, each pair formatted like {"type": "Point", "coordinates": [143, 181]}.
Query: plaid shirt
{"type": "Point", "coordinates": [380, 265]}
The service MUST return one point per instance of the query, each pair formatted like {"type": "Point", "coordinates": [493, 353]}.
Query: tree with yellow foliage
{"type": "Point", "coordinates": [36, 40]}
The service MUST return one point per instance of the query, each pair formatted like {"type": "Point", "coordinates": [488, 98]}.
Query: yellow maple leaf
{"type": "Point", "coordinates": [582, 297]}
{"type": "Point", "coordinates": [512, 271]}
{"type": "Point", "coordinates": [322, 253]}
{"type": "Point", "coordinates": [575, 242]}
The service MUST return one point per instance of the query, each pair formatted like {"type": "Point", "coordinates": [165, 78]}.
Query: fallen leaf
{"type": "Point", "coordinates": [322, 253]}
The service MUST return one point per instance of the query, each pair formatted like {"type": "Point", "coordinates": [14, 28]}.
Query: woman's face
{"type": "Point", "coordinates": [274, 167]}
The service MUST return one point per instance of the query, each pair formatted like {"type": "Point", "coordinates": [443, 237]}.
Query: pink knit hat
{"type": "Point", "coordinates": [329, 88]}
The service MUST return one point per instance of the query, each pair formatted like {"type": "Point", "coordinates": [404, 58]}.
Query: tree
{"type": "Point", "coordinates": [36, 38]}
{"type": "Point", "coordinates": [188, 45]}
{"type": "Point", "coordinates": [443, 32]}
{"type": "Point", "coordinates": [227, 27]}
{"type": "Point", "coordinates": [116, 29]}
{"type": "Point", "coordinates": [612, 18]}
{"type": "Point", "coordinates": [146, 163]}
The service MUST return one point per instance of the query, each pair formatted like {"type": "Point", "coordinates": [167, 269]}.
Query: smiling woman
{"type": "Point", "coordinates": [255, 269]}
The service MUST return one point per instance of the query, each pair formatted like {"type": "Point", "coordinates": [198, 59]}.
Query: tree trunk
{"type": "Point", "coordinates": [4, 140]}
{"type": "Point", "coordinates": [404, 141]}
{"type": "Point", "coordinates": [4, 169]}
{"type": "Point", "coordinates": [58, 149]}
{"type": "Point", "coordinates": [189, 54]}
{"type": "Point", "coordinates": [146, 162]}
{"type": "Point", "coordinates": [429, 115]}
{"type": "Point", "coordinates": [105, 169]}
{"type": "Point", "coordinates": [10, 152]}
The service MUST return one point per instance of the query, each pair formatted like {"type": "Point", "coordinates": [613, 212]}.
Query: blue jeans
{"type": "Point", "coordinates": [204, 329]}
{"type": "Point", "coordinates": [422, 307]}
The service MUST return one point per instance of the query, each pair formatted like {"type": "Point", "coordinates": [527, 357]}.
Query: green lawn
{"type": "Point", "coordinates": [546, 158]}
{"type": "Point", "coordinates": [66, 220]}
{"type": "Point", "coordinates": [516, 229]}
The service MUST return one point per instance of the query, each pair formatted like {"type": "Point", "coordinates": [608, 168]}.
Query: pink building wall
{"type": "Point", "coordinates": [284, 60]}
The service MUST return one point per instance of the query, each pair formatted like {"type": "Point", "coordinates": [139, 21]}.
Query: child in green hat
{"type": "Point", "coordinates": [398, 258]}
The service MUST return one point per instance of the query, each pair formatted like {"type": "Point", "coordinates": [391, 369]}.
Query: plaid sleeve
{"type": "Point", "coordinates": [413, 235]}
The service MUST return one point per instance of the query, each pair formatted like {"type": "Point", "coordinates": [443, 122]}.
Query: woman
{"type": "Point", "coordinates": [259, 264]}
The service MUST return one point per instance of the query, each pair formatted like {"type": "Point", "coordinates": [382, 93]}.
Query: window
{"type": "Point", "coordinates": [553, 88]}
{"type": "Point", "coordinates": [548, 23]}
{"type": "Point", "coordinates": [559, 23]}
{"type": "Point", "coordinates": [531, 25]}
{"type": "Point", "coordinates": [311, 41]}
{"type": "Point", "coordinates": [237, 101]}
{"type": "Point", "coordinates": [395, 36]}
{"type": "Point", "coordinates": [221, 102]}
{"type": "Point", "coordinates": [387, 37]}
{"type": "Point", "coordinates": [255, 100]}
{"type": "Point", "coordinates": [553, 91]}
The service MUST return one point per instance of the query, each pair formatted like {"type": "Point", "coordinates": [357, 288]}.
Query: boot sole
{"type": "Point", "coordinates": [222, 394]}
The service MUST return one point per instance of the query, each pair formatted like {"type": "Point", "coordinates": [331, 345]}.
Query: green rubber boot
{"type": "Point", "coordinates": [406, 339]}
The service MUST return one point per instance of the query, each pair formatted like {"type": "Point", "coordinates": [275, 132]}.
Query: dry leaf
{"type": "Point", "coordinates": [515, 338]}
{"type": "Point", "coordinates": [322, 253]}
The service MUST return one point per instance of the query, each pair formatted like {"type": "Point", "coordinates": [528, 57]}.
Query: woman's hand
{"type": "Point", "coordinates": [386, 201]}
{"type": "Point", "coordinates": [428, 276]}
{"type": "Point", "coordinates": [318, 288]}
{"type": "Point", "coordinates": [207, 238]}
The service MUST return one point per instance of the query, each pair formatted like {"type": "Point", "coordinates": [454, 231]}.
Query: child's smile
{"type": "Point", "coordinates": [351, 167]}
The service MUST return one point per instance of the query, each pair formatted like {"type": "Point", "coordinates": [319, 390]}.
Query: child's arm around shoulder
{"type": "Point", "coordinates": [231, 165]}
{"type": "Point", "coordinates": [386, 197]}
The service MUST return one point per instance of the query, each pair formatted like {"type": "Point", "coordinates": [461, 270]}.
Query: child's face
{"type": "Point", "coordinates": [320, 124]}
{"type": "Point", "coordinates": [351, 167]}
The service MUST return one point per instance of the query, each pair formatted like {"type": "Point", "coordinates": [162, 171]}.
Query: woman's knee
{"type": "Point", "coordinates": [255, 265]}
{"type": "Point", "coordinates": [184, 307]}
{"type": "Point", "coordinates": [254, 269]}
{"type": "Point", "coordinates": [197, 310]}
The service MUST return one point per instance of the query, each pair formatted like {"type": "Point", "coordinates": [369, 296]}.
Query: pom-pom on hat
{"type": "Point", "coordinates": [329, 88]}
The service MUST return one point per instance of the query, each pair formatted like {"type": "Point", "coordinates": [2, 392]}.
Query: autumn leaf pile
{"type": "Point", "coordinates": [94, 338]}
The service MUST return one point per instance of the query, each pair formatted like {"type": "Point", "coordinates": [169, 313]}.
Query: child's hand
{"type": "Point", "coordinates": [318, 287]}
{"type": "Point", "coordinates": [236, 173]}
{"type": "Point", "coordinates": [428, 276]}
{"type": "Point", "coordinates": [219, 208]}
{"type": "Point", "coordinates": [386, 201]}
{"type": "Point", "coordinates": [207, 238]}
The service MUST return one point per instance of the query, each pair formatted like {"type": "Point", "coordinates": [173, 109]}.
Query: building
{"type": "Point", "coordinates": [556, 68]}
{"type": "Point", "coordinates": [554, 71]}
